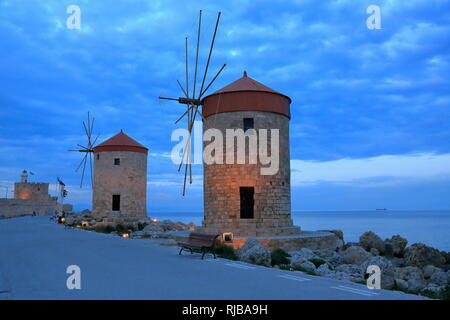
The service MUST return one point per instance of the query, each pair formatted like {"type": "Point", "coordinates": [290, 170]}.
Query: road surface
{"type": "Point", "coordinates": [35, 254]}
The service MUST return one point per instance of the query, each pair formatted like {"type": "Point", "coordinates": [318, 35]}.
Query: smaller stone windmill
{"type": "Point", "coordinates": [194, 100]}
{"type": "Point", "coordinates": [118, 169]}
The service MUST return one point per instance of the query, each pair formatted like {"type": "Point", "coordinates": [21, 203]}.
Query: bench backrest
{"type": "Point", "coordinates": [203, 238]}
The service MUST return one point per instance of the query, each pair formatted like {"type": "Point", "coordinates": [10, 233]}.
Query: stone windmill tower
{"type": "Point", "coordinates": [120, 180]}
{"type": "Point", "coordinates": [238, 199]}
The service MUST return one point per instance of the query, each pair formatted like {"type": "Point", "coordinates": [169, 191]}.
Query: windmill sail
{"type": "Point", "coordinates": [194, 100]}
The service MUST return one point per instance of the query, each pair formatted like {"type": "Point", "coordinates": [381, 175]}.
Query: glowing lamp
{"type": "Point", "coordinates": [61, 219]}
{"type": "Point", "coordinates": [125, 235]}
{"type": "Point", "coordinates": [85, 224]}
{"type": "Point", "coordinates": [154, 220]}
{"type": "Point", "coordinates": [227, 237]}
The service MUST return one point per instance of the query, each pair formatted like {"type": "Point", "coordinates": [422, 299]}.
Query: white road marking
{"type": "Point", "coordinates": [300, 279]}
{"type": "Point", "coordinates": [240, 266]}
{"type": "Point", "coordinates": [356, 291]}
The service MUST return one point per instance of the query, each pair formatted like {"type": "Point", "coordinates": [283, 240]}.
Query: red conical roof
{"type": "Point", "coordinates": [246, 94]}
{"type": "Point", "coordinates": [120, 142]}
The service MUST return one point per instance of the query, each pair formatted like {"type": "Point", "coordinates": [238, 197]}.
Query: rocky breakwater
{"type": "Point", "coordinates": [417, 268]}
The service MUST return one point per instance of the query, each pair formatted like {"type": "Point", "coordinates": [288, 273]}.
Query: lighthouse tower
{"type": "Point", "coordinates": [238, 198]}
{"type": "Point", "coordinates": [120, 180]}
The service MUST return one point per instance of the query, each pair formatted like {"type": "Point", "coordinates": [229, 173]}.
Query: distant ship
{"type": "Point", "coordinates": [383, 209]}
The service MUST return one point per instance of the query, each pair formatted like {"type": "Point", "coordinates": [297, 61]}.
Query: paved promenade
{"type": "Point", "coordinates": [35, 253]}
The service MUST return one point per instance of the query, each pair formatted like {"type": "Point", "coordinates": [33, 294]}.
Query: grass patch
{"type": "Point", "coordinates": [317, 262]}
{"type": "Point", "coordinates": [141, 226]}
{"type": "Point", "coordinates": [104, 229]}
{"type": "Point", "coordinates": [225, 252]}
{"type": "Point", "coordinates": [296, 268]}
{"type": "Point", "coordinates": [279, 257]}
{"type": "Point", "coordinates": [443, 295]}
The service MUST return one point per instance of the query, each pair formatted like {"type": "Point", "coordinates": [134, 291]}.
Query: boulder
{"type": "Point", "coordinates": [420, 255]}
{"type": "Point", "coordinates": [401, 284]}
{"type": "Point", "coordinates": [388, 250]}
{"type": "Point", "coordinates": [324, 253]}
{"type": "Point", "coordinates": [416, 285]}
{"type": "Point", "coordinates": [375, 252]}
{"type": "Point", "coordinates": [308, 266]}
{"type": "Point", "coordinates": [355, 255]}
{"type": "Point", "coordinates": [386, 268]}
{"type": "Point", "coordinates": [397, 262]}
{"type": "Point", "coordinates": [369, 240]}
{"type": "Point", "coordinates": [153, 227]}
{"type": "Point", "coordinates": [429, 270]}
{"type": "Point", "coordinates": [440, 278]}
{"type": "Point", "coordinates": [352, 270]}
{"type": "Point", "coordinates": [254, 252]}
{"type": "Point", "coordinates": [434, 288]}
{"type": "Point", "coordinates": [398, 244]}
{"type": "Point", "coordinates": [335, 260]}
{"type": "Point", "coordinates": [324, 270]}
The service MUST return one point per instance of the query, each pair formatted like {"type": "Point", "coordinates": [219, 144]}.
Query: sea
{"type": "Point", "coordinates": [431, 227]}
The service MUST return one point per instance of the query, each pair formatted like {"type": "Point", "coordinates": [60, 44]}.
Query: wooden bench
{"type": "Point", "coordinates": [200, 241]}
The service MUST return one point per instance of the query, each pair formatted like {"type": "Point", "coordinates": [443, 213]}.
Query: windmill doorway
{"type": "Point", "coordinates": [247, 202]}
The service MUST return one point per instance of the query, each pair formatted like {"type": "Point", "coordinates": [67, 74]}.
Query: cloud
{"type": "Point", "coordinates": [380, 171]}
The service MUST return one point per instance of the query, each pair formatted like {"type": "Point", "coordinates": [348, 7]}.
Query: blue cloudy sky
{"type": "Point", "coordinates": [370, 120]}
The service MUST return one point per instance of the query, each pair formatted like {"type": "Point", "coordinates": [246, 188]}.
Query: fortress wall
{"type": "Point", "coordinates": [10, 208]}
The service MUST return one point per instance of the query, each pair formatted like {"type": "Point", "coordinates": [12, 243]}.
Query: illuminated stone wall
{"type": "Point", "coordinates": [129, 180]}
{"type": "Point", "coordinates": [222, 182]}
{"type": "Point", "coordinates": [32, 191]}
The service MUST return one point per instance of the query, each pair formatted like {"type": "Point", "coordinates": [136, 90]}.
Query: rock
{"type": "Point", "coordinates": [446, 255]}
{"type": "Point", "coordinates": [352, 270]}
{"type": "Point", "coordinates": [305, 253]}
{"type": "Point", "coordinates": [420, 255]}
{"type": "Point", "coordinates": [369, 240]}
{"type": "Point", "coordinates": [416, 285]}
{"type": "Point", "coordinates": [398, 244]}
{"type": "Point", "coordinates": [439, 278]}
{"type": "Point", "coordinates": [191, 226]}
{"type": "Point", "coordinates": [324, 253]}
{"type": "Point", "coordinates": [388, 250]}
{"type": "Point", "coordinates": [338, 233]}
{"type": "Point", "coordinates": [428, 270]}
{"type": "Point", "coordinates": [397, 262]}
{"type": "Point", "coordinates": [375, 252]}
{"type": "Point", "coordinates": [434, 288]}
{"type": "Point", "coordinates": [401, 284]}
{"type": "Point", "coordinates": [386, 268]}
{"type": "Point", "coordinates": [308, 266]}
{"type": "Point", "coordinates": [335, 260]}
{"type": "Point", "coordinates": [153, 227]}
{"type": "Point", "coordinates": [339, 244]}
{"type": "Point", "coordinates": [409, 273]}
{"type": "Point", "coordinates": [297, 261]}
{"type": "Point", "coordinates": [355, 255]}
{"type": "Point", "coordinates": [324, 270]}
{"type": "Point", "coordinates": [350, 244]}
{"type": "Point", "coordinates": [254, 252]}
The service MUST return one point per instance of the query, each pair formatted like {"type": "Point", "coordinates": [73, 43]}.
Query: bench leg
{"type": "Point", "coordinates": [181, 250]}
{"type": "Point", "coordinates": [203, 254]}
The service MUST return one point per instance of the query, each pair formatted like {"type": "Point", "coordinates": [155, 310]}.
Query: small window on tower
{"type": "Point", "coordinates": [117, 162]}
{"type": "Point", "coordinates": [98, 156]}
{"type": "Point", "coordinates": [116, 202]}
{"type": "Point", "coordinates": [248, 124]}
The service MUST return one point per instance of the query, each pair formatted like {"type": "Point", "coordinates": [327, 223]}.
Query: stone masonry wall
{"type": "Point", "coordinates": [129, 180]}
{"type": "Point", "coordinates": [10, 208]}
{"type": "Point", "coordinates": [33, 191]}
